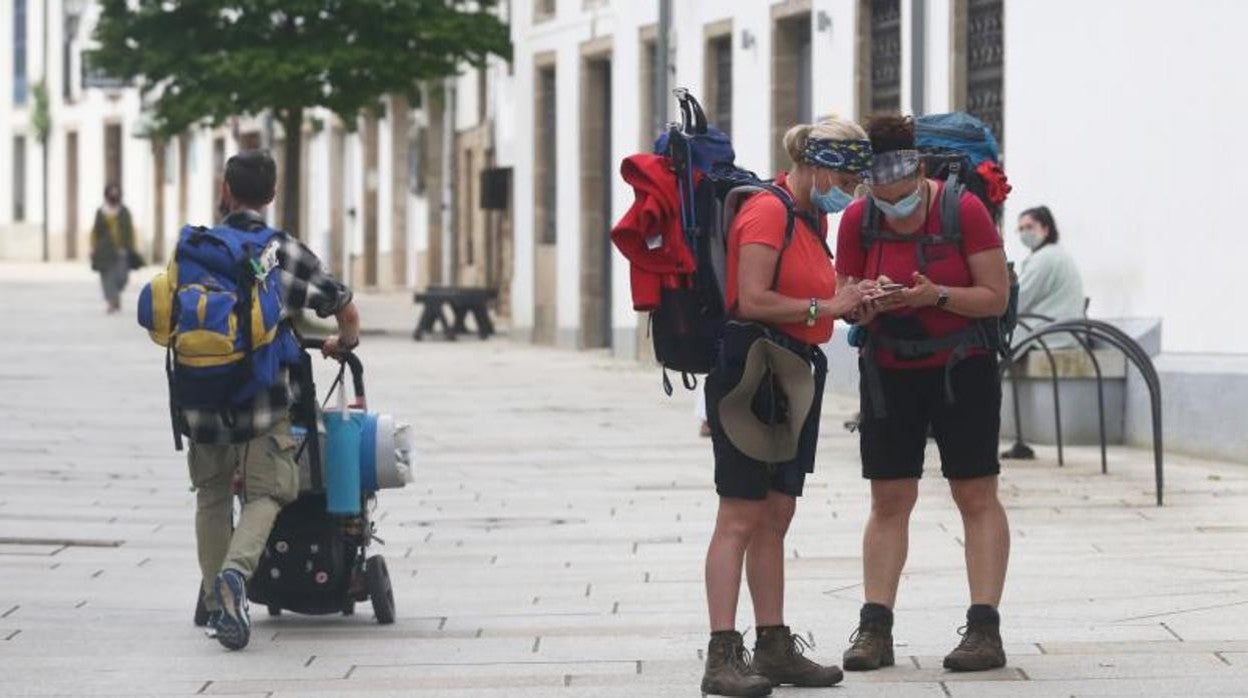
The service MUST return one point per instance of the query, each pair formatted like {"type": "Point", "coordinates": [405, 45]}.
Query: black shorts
{"type": "Point", "coordinates": [736, 474]}
{"type": "Point", "coordinates": [967, 432]}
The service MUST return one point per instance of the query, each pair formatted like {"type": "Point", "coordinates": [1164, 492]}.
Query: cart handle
{"type": "Point", "coordinates": [350, 359]}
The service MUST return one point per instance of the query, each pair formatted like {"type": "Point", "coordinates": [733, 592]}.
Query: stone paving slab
{"type": "Point", "coordinates": [552, 544]}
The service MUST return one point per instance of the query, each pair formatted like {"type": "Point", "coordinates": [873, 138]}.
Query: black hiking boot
{"type": "Point", "coordinates": [872, 643]}
{"type": "Point", "coordinates": [980, 649]}
{"type": "Point", "coordinates": [728, 671]}
{"type": "Point", "coordinates": [778, 655]}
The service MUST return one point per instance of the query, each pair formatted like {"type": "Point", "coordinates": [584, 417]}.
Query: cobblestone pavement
{"type": "Point", "coordinates": [552, 544]}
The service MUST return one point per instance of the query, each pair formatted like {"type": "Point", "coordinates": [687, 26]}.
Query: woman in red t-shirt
{"type": "Point", "coordinates": [788, 293]}
{"type": "Point", "coordinates": [907, 389]}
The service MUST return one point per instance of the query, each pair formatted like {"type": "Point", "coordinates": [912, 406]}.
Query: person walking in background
{"type": "Point", "coordinates": [922, 368]}
{"type": "Point", "coordinates": [782, 294]}
{"type": "Point", "coordinates": [1049, 283]}
{"type": "Point", "coordinates": [113, 254]}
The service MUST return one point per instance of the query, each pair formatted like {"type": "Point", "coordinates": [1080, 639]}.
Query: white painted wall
{"type": "Point", "coordinates": [1127, 124]}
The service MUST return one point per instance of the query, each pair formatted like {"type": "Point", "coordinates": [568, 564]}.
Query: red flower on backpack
{"type": "Point", "coordinates": [995, 182]}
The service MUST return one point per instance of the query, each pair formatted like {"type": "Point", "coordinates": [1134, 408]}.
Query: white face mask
{"type": "Point", "coordinates": [1032, 238]}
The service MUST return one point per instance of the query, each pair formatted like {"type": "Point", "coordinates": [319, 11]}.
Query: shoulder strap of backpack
{"type": "Point", "coordinates": [950, 208]}
{"type": "Point", "coordinates": [869, 231]}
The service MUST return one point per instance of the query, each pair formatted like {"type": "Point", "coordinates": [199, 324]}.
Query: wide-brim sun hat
{"type": "Point", "coordinates": [760, 423]}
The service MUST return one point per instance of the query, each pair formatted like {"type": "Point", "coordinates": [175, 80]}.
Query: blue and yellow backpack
{"type": "Point", "coordinates": [217, 308]}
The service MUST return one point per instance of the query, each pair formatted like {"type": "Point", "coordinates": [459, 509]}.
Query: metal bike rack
{"type": "Point", "coordinates": [1086, 345]}
{"type": "Point", "coordinates": [1084, 331]}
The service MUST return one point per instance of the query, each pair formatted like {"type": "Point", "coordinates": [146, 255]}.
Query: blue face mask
{"type": "Point", "coordinates": [903, 208]}
{"type": "Point", "coordinates": [834, 200]}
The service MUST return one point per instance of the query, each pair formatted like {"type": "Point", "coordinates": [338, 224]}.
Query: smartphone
{"type": "Point", "coordinates": [885, 290]}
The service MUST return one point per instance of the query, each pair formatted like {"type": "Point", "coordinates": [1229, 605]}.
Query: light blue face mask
{"type": "Point", "coordinates": [901, 209]}
{"type": "Point", "coordinates": [834, 200]}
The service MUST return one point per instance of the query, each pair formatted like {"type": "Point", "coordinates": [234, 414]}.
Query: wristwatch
{"type": "Point", "coordinates": [942, 299]}
{"type": "Point", "coordinates": [812, 313]}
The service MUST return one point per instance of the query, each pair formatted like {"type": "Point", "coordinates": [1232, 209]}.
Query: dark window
{"type": "Point", "coordinates": [218, 169]}
{"type": "Point", "coordinates": [720, 82]}
{"type": "Point", "coordinates": [985, 63]}
{"type": "Point", "coordinates": [416, 161]}
{"type": "Point", "coordinates": [651, 124]}
{"type": "Point", "coordinates": [885, 25]}
{"type": "Point", "coordinates": [19, 178]}
{"type": "Point", "coordinates": [482, 94]}
{"type": "Point", "coordinates": [543, 9]}
{"type": "Point", "coordinates": [113, 154]}
{"type": "Point", "coordinates": [548, 167]}
{"type": "Point", "coordinates": [470, 213]}
{"type": "Point", "coordinates": [805, 99]}
{"type": "Point", "coordinates": [20, 86]}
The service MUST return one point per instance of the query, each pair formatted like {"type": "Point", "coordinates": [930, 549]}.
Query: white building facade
{"type": "Point", "coordinates": [385, 200]}
{"type": "Point", "coordinates": [1115, 114]}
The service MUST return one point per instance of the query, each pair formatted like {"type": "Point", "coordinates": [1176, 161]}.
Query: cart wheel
{"type": "Point", "coordinates": [201, 611]}
{"type": "Point", "coordinates": [348, 608]}
{"type": "Point", "coordinates": [274, 611]}
{"type": "Point", "coordinates": [379, 589]}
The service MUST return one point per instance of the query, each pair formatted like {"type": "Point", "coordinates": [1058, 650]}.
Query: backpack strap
{"type": "Point", "coordinates": [950, 223]}
{"type": "Point", "coordinates": [951, 207]}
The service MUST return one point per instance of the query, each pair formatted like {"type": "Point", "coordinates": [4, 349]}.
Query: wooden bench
{"type": "Point", "coordinates": [463, 301]}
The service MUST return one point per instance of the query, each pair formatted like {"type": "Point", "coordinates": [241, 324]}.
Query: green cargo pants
{"type": "Point", "coordinates": [270, 477]}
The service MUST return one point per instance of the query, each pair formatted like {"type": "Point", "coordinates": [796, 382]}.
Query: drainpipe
{"type": "Point", "coordinates": [47, 138]}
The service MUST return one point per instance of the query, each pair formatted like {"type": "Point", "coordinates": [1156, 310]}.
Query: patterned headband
{"type": "Point", "coordinates": [894, 166]}
{"type": "Point", "coordinates": [844, 156]}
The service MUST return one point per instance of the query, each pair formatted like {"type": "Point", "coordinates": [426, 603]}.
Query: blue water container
{"type": "Point", "coordinates": [342, 462]}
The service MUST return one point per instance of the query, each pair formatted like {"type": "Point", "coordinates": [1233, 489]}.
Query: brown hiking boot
{"type": "Point", "coordinates": [778, 656]}
{"type": "Point", "coordinates": [871, 646]}
{"type": "Point", "coordinates": [728, 671]}
{"type": "Point", "coordinates": [980, 649]}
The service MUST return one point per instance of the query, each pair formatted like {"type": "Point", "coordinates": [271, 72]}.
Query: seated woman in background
{"type": "Point", "coordinates": [1049, 282]}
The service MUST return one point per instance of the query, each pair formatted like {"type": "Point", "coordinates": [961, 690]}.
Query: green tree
{"type": "Point", "coordinates": [208, 60]}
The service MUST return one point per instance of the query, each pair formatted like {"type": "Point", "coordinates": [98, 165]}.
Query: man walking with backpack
{"type": "Point", "coordinates": [222, 309]}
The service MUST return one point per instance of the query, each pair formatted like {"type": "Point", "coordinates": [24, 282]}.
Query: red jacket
{"type": "Point", "coordinates": [649, 235]}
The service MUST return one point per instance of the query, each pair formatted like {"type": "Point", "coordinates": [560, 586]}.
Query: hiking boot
{"type": "Point", "coordinates": [728, 671]}
{"type": "Point", "coordinates": [871, 645]}
{"type": "Point", "coordinates": [778, 656]}
{"type": "Point", "coordinates": [980, 649]}
{"type": "Point", "coordinates": [234, 622]}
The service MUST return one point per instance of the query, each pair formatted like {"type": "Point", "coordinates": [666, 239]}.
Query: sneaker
{"type": "Point", "coordinates": [980, 649]}
{"type": "Point", "coordinates": [728, 671]}
{"type": "Point", "coordinates": [234, 623]}
{"type": "Point", "coordinates": [871, 645]}
{"type": "Point", "coordinates": [210, 628]}
{"type": "Point", "coordinates": [778, 655]}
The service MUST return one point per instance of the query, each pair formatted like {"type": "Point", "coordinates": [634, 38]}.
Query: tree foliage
{"type": "Point", "coordinates": [209, 60]}
{"type": "Point", "coordinates": [213, 59]}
